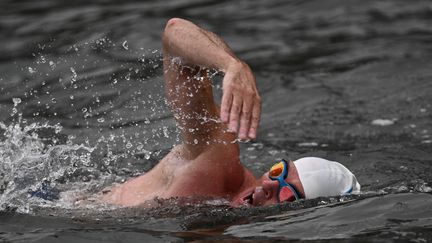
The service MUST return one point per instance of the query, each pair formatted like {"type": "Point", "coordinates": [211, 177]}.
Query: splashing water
{"type": "Point", "coordinates": [29, 162]}
{"type": "Point", "coordinates": [34, 169]}
{"type": "Point", "coordinates": [42, 166]}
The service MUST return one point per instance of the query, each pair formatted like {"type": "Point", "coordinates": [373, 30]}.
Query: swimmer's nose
{"type": "Point", "coordinates": [270, 188]}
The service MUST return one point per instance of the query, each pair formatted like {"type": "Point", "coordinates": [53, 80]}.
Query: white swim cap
{"type": "Point", "coordinates": [323, 178]}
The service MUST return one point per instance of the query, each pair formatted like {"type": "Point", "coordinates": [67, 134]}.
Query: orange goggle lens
{"type": "Point", "coordinates": [276, 170]}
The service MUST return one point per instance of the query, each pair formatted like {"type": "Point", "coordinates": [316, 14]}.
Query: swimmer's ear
{"type": "Point", "coordinates": [286, 195]}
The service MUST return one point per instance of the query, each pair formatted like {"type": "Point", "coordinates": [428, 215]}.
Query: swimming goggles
{"type": "Point", "coordinates": [279, 172]}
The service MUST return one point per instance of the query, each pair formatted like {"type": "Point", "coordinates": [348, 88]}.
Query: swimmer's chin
{"type": "Point", "coordinates": [244, 199]}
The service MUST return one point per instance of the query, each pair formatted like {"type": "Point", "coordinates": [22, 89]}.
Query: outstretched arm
{"type": "Point", "coordinates": [199, 49]}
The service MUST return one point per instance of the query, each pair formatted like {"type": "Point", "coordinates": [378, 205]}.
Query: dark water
{"type": "Point", "coordinates": [81, 107]}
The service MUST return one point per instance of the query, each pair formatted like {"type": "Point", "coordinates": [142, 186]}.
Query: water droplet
{"type": "Point", "coordinates": [129, 145]}
{"type": "Point", "coordinates": [74, 75]}
{"type": "Point", "coordinates": [16, 101]}
{"type": "Point", "coordinates": [165, 132]}
{"type": "Point", "coordinates": [125, 45]}
{"type": "Point", "coordinates": [31, 70]}
{"type": "Point", "coordinates": [57, 128]}
{"type": "Point", "coordinates": [42, 59]}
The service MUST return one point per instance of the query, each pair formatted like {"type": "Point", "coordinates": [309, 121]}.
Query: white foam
{"type": "Point", "coordinates": [308, 144]}
{"type": "Point", "coordinates": [383, 122]}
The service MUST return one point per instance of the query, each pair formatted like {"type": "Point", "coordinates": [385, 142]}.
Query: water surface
{"type": "Point", "coordinates": [82, 107]}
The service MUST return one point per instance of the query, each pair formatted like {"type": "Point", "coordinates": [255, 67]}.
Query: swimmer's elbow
{"type": "Point", "coordinates": [172, 26]}
{"type": "Point", "coordinates": [174, 22]}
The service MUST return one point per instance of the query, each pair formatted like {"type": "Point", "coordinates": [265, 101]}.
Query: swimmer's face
{"type": "Point", "coordinates": [264, 193]}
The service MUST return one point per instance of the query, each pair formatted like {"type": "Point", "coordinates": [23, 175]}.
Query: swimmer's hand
{"type": "Point", "coordinates": [241, 102]}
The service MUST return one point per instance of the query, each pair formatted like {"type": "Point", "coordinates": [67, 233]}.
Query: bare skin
{"type": "Point", "coordinates": [207, 163]}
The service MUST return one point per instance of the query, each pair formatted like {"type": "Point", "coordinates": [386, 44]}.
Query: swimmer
{"type": "Point", "coordinates": [207, 164]}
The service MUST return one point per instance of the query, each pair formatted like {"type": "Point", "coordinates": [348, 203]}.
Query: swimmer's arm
{"type": "Point", "coordinates": [241, 103]}
{"type": "Point", "coordinates": [190, 97]}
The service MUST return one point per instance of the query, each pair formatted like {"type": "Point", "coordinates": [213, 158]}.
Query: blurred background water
{"type": "Point", "coordinates": [82, 107]}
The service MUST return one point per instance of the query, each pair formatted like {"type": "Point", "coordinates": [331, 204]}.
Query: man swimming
{"type": "Point", "coordinates": [207, 163]}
